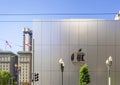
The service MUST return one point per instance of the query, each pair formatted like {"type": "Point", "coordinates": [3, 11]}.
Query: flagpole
{"type": "Point", "coordinates": [5, 47]}
{"type": "Point", "coordinates": [33, 60]}
{"type": "Point", "coordinates": [23, 41]}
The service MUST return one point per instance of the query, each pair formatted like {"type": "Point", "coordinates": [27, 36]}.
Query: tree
{"type": "Point", "coordinates": [5, 78]}
{"type": "Point", "coordinates": [84, 78]}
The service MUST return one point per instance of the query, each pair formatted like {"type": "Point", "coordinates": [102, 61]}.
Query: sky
{"type": "Point", "coordinates": [12, 31]}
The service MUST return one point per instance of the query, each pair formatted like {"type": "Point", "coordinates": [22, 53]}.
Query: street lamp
{"type": "Point", "coordinates": [109, 64]}
{"type": "Point", "coordinates": [18, 69]}
{"type": "Point", "coordinates": [61, 62]}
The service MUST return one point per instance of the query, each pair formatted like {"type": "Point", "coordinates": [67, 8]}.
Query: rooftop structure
{"type": "Point", "coordinates": [117, 16]}
{"type": "Point", "coordinates": [27, 39]}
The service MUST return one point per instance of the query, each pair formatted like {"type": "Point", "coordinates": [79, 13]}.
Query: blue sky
{"type": "Point", "coordinates": [12, 31]}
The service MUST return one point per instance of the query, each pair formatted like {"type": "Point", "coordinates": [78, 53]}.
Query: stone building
{"type": "Point", "coordinates": [24, 61]}
{"type": "Point", "coordinates": [7, 61]}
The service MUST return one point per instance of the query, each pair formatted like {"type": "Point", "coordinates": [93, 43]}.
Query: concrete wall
{"type": "Point", "coordinates": [57, 39]}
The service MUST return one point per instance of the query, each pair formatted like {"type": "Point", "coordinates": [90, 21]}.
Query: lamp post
{"type": "Point", "coordinates": [109, 64]}
{"type": "Point", "coordinates": [18, 69]}
{"type": "Point", "coordinates": [61, 62]}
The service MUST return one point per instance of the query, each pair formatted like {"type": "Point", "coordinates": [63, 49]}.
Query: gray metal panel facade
{"type": "Point", "coordinates": [57, 39]}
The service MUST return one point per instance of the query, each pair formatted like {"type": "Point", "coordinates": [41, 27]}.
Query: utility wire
{"type": "Point", "coordinates": [19, 21]}
{"type": "Point", "coordinates": [57, 14]}
{"type": "Point", "coordinates": [47, 14]}
{"type": "Point", "coordinates": [38, 21]}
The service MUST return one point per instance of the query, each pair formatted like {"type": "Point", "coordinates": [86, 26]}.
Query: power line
{"type": "Point", "coordinates": [19, 21]}
{"type": "Point", "coordinates": [54, 14]}
{"type": "Point", "coordinates": [30, 14]}
{"type": "Point", "coordinates": [43, 21]}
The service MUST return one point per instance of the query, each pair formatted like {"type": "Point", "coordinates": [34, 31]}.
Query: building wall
{"type": "Point", "coordinates": [57, 39]}
{"type": "Point", "coordinates": [24, 61]}
{"type": "Point", "coordinates": [7, 61]}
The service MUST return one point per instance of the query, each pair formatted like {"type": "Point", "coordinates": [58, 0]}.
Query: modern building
{"type": "Point", "coordinates": [7, 61]}
{"type": "Point", "coordinates": [24, 61]}
{"type": "Point", "coordinates": [56, 39]}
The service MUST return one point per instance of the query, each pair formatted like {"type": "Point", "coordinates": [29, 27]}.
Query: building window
{"type": "Point", "coordinates": [8, 58]}
{"type": "Point", "coordinates": [6, 65]}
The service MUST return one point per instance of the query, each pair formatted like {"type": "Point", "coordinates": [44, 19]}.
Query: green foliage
{"type": "Point", "coordinates": [5, 78]}
{"type": "Point", "coordinates": [84, 75]}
